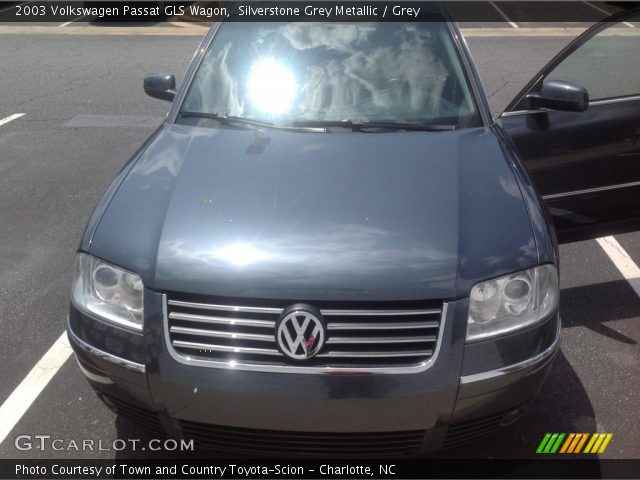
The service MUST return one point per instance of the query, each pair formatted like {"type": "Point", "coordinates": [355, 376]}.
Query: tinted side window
{"type": "Point", "coordinates": [608, 64]}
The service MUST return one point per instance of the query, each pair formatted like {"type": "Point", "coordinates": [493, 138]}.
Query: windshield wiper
{"type": "Point", "coordinates": [318, 126]}
{"type": "Point", "coordinates": [359, 126]}
{"type": "Point", "coordinates": [234, 120]}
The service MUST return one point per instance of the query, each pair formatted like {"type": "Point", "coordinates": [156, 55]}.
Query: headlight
{"type": "Point", "coordinates": [108, 292]}
{"type": "Point", "coordinates": [511, 302]}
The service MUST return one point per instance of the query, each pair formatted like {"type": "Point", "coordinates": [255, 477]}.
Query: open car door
{"type": "Point", "coordinates": [576, 128]}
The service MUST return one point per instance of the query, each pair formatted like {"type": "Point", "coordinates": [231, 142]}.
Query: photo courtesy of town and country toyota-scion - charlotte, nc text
{"type": "Point", "coordinates": [313, 11]}
{"type": "Point", "coordinates": [218, 471]}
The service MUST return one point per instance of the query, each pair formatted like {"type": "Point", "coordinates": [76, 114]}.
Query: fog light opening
{"type": "Point", "coordinates": [511, 417]}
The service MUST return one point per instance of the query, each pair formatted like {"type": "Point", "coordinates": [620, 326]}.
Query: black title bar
{"type": "Point", "coordinates": [314, 10]}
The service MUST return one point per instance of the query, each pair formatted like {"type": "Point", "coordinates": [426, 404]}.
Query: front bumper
{"type": "Point", "coordinates": [489, 379]}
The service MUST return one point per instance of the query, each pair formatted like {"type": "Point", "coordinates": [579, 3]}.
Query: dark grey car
{"type": "Point", "coordinates": [330, 247]}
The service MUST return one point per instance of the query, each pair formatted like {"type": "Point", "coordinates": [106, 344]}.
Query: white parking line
{"type": "Point", "coordinates": [74, 20]}
{"type": "Point", "coordinates": [25, 394]}
{"type": "Point", "coordinates": [504, 15]}
{"type": "Point", "coordinates": [607, 13]}
{"type": "Point", "coordinates": [11, 118]}
{"type": "Point", "coordinates": [622, 260]}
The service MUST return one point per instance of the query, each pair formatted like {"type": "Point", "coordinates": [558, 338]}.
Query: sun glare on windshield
{"type": "Point", "coordinates": [272, 86]}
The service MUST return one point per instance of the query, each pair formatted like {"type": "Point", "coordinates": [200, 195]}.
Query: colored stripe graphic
{"type": "Point", "coordinates": [581, 443]}
{"type": "Point", "coordinates": [544, 441]}
{"type": "Point", "coordinates": [576, 440]}
{"type": "Point", "coordinates": [550, 443]}
{"type": "Point", "coordinates": [607, 439]}
{"type": "Point", "coordinates": [574, 443]}
{"type": "Point", "coordinates": [600, 442]}
{"type": "Point", "coordinates": [591, 443]}
{"type": "Point", "coordinates": [567, 443]}
{"type": "Point", "coordinates": [596, 446]}
{"type": "Point", "coordinates": [556, 446]}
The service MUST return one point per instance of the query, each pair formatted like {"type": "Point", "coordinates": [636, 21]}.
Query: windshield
{"type": "Point", "coordinates": [283, 73]}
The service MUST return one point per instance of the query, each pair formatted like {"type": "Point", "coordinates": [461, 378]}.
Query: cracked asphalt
{"type": "Point", "coordinates": [57, 159]}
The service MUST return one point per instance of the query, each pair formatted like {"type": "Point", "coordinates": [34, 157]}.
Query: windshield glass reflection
{"type": "Point", "coordinates": [359, 72]}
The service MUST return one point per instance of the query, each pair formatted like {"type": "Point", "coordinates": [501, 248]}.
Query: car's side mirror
{"type": "Point", "coordinates": [160, 85]}
{"type": "Point", "coordinates": [560, 95]}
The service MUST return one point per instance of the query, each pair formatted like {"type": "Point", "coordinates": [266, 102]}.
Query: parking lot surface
{"type": "Point", "coordinates": [84, 114]}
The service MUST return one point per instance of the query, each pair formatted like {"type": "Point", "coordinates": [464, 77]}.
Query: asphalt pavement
{"type": "Point", "coordinates": [85, 114]}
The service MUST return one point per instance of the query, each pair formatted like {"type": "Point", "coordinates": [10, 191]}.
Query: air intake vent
{"type": "Point", "coordinates": [135, 414]}
{"type": "Point", "coordinates": [271, 442]}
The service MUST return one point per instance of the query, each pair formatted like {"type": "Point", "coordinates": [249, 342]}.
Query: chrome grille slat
{"type": "Point", "coordinates": [222, 320]}
{"type": "Point", "coordinates": [379, 340]}
{"type": "Point", "coordinates": [377, 313]}
{"type": "Point", "coordinates": [225, 308]}
{"type": "Point", "coordinates": [214, 333]}
{"type": "Point", "coordinates": [242, 335]}
{"type": "Point", "coordinates": [223, 348]}
{"type": "Point", "coordinates": [381, 326]}
{"type": "Point", "coordinates": [354, 354]}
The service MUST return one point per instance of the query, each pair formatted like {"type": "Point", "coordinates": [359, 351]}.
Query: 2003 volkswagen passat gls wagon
{"type": "Point", "coordinates": [330, 247]}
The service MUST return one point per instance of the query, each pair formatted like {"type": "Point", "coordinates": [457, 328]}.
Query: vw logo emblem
{"type": "Point", "coordinates": [300, 334]}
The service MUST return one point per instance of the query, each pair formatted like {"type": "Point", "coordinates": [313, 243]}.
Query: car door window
{"type": "Point", "coordinates": [607, 64]}
{"type": "Point", "coordinates": [586, 164]}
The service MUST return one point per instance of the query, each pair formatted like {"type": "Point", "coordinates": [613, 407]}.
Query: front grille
{"type": "Point", "coordinates": [237, 334]}
{"type": "Point", "coordinates": [273, 442]}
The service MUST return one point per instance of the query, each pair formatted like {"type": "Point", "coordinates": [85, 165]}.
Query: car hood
{"type": "Point", "coordinates": [317, 216]}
